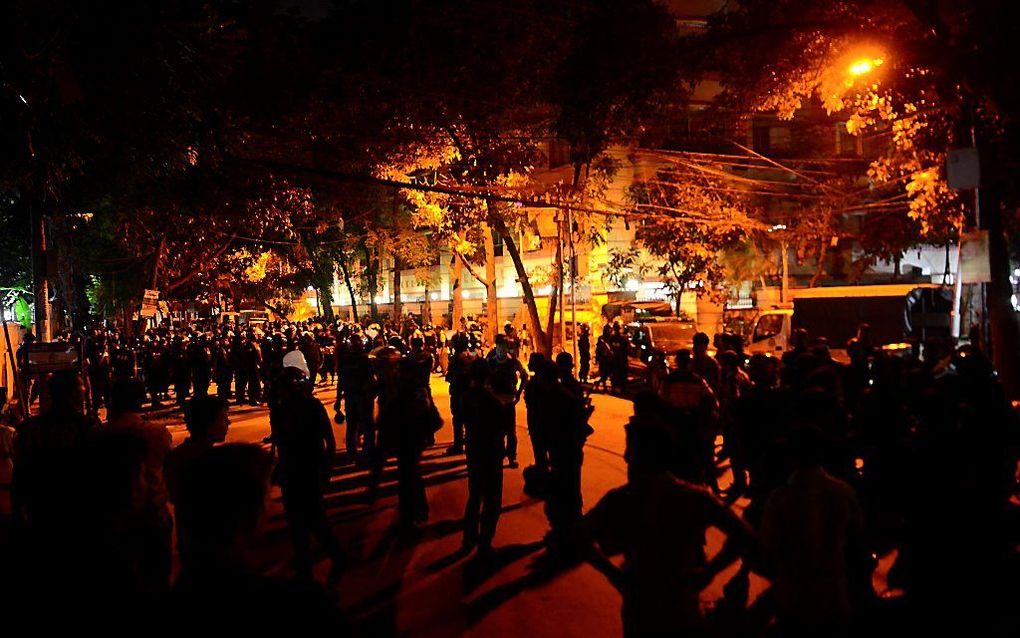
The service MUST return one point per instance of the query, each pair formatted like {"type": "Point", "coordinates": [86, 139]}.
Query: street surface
{"type": "Point", "coordinates": [421, 585]}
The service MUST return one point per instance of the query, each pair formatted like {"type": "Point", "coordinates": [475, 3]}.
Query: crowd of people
{"type": "Point", "coordinates": [812, 469]}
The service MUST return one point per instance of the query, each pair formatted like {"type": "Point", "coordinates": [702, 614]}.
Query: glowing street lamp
{"type": "Point", "coordinates": [864, 66]}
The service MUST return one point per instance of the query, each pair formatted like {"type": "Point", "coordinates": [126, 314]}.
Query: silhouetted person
{"type": "Point", "coordinates": [620, 364]}
{"type": "Point", "coordinates": [303, 435]}
{"type": "Point", "coordinates": [537, 396]}
{"type": "Point", "coordinates": [694, 407]}
{"type": "Point", "coordinates": [207, 420]}
{"type": "Point", "coordinates": [46, 449]}
{"type": "Point", "coordinates": [249, 368]}
{"type": "Point", "coordinates": [658, 523]}
{"type": "Point", "coordinates": [90, 550]}
{"type": "Point", "coordinates": [220, 508]}
{"type": "Point", "coordinates": [459, 379]}
{"type": "Point", "coordinates": [568, 430]}
{"type": "Point", "coordinates": [812, 532]}
{"type": "Point", "coordinates": [507, 380]}
{"type": "Point", "coordinates": [154, 523]}
{"type": "Point", "coordinates": [485, 450]}
{"type": "Point", "coordinates": [200, 360]}
{"type": "Point", "coordinates": [584, 353]}
{"type": "Point", "coordinates": [408, 422]}
{"type": "Point", "coordinates": [704, 365]}
{"type": "Point", "coordinates": [156, 366]}
{"type": "Point", "coordinates": [180, 370]}
{"type": "Point", "coordinates": [603, 358]}
{"type": "Point", "coordinates": [357, 387]}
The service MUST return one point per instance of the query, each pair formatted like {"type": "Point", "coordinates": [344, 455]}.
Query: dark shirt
{"type": "Point", "coordinates": [484, 435]}
{"type": "Point", "coordinates": [302, 432]}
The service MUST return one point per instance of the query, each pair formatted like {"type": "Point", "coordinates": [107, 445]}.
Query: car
{"type": "Point", "coordinates": [667, 335]}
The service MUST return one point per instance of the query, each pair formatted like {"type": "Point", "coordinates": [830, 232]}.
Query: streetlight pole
{"type": "Point", "coordinates": [784, 291]}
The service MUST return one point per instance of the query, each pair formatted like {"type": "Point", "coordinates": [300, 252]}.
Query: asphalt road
{"type": "Point", "coordinates": [419, 585]}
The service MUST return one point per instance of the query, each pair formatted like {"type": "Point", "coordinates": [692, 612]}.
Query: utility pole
{"type": "Point", "coordinates": [559, 250]}
{"type": "Point", "coordinates": [573, 283]}
{"type": "Point", "coordinates": [784, 291]}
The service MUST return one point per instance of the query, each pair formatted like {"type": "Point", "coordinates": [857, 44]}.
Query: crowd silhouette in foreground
{"type": "Point", "coordinates": [815, 471]}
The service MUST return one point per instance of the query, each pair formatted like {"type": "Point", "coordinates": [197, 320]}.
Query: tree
{"type": "Point", "coordinates": [623, 266]}
{"type": "Point", "coordinates": [690, 254]}
{"type": "Point", "coordinates": [923, 72]}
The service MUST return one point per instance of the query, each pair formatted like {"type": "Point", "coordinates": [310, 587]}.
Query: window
{"type": "Point", "coordinates": [846, 144]}
{"type": "Point", "coordinates": [768, 327]}
{"type": "Point", "coordinates": [497, 244]}
{"type": "Point", "coordinates": [761, 138]}
{"type": "Point", "coordinates": [559, 153]}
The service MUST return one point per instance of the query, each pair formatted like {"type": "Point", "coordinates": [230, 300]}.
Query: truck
{"type": "Point", "coordinates": [898, 314]}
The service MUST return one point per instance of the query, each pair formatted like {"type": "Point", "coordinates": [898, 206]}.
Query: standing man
{"type": "Point", "coordinates": [458, 377]}
{"type": "Point", "coordinates": [201, 365]}
{"type": "Point", "coordinates": [566, 434]}
{"type": "Point", "coordinates": [155, 366]}
{"type": "Point", "coordinates": [485, 452]}
{"type": "Point", "coordinates": [703, 365]}
{"type": "Point", "coordinates": [221, 366]}
{"type": "Point", "coordinates": [303, 436]}
{"type": "Point", "coordinates": [180, 369]}
{"type": "Point", "coordinates": [507, 379]}
{"type": "Point", "coordinates": [693, 408]}
{"type": "Point", "coordinates": [659, 523]}
{"type": "Point", "coordinates": [250, 362]}
{"type": "Point", "coordinates": [584, 353]}
{"type": "Point", "coordinates": [98, 368]}
{"type": "Point", "coordinates": [540, 388]}
{"type": "Point", "coordinates": [620, 358]}
{"type": "Point", "coordinates": [356, 384]}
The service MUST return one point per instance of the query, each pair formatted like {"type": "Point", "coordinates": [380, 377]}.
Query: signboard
{"type": "Point", "coordinates": [582, 294]}
{"type": "Point", "coordinates": [963, 169]}
{"type": "Point", "coordinates": [974, 266]}
{"type": "Point", "coordinates": [150, 303]}
{"type": "Point", "coordinates": [50, 357]}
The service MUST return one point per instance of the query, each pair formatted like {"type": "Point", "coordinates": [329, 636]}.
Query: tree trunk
{"type": "Point", "coordinates": [456, 301]}
{"type": "Point", "coordinates": [554, 296]}
{"type": "Point", "coordinates": [1001, 316]}
{"type": "Point", "coordinates": [491, 298]}
{"type": "Point", "coordinates": [350, 288]}
{"type": "Point", "coordinates": [398, 306]}
{"type": "Point", "coordinates": [534, 322]}
{"type": "Point", "coordinates": [372, 274]}
{"type": "Point", "coordinates": [820, 270]}
{"type": "Point", "coordinates": [40, 275]}
{"type": "Point", "coordinates": [326, 303]}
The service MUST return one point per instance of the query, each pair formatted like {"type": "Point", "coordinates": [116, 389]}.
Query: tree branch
{"type": "Point", "coordinates": [203, 265]}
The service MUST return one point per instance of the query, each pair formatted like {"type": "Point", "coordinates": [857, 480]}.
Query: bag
{"type": "Point", "coordinates": [536, 481]}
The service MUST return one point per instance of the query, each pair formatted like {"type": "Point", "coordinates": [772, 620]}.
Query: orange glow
{"type": "Point", "coordinates": [864, 66]}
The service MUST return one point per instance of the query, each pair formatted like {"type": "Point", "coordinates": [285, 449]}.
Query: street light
{"type": "Point", "coordinates": [864, 66]}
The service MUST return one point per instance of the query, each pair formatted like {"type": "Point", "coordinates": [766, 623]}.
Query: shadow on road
{"type": "Point", "coordinates": [541, 572]}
